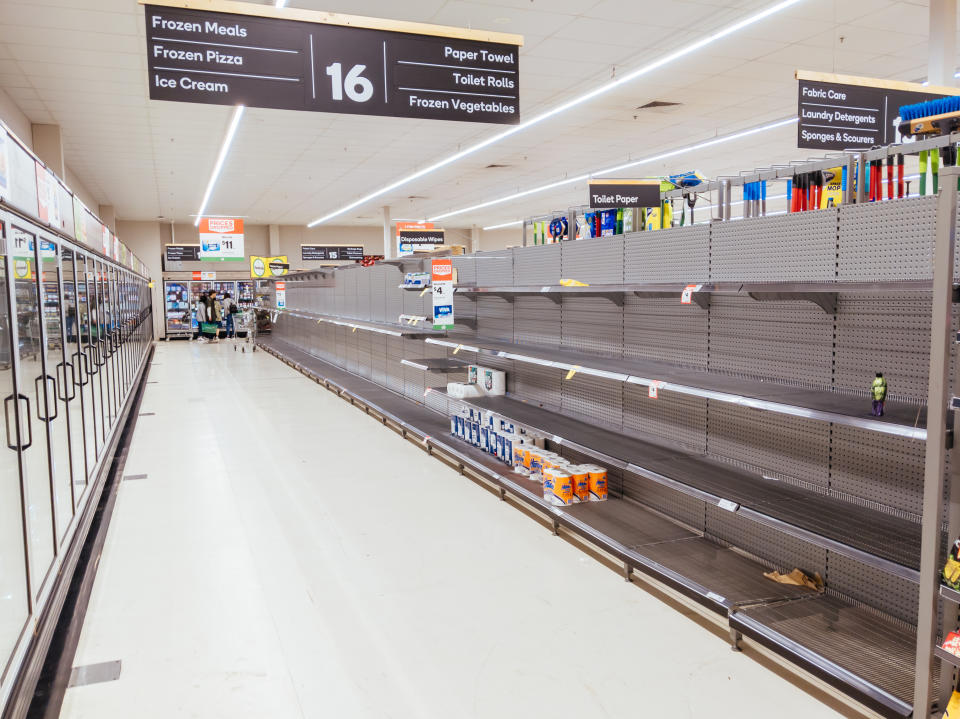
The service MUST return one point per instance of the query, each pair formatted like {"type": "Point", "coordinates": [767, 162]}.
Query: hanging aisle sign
{"type": "Point", "coordinates": [221, 238]}
{"type": "Point", "coordinates": [844, 112]}
{"type": "Point", "coordinates": [441, 279]}
{"type": "Point", "coordinates": [613, 194]}
{"type": "Point", "coordinates": [319, 253]}
{"type": "Point", "coordinates": [293, 59]}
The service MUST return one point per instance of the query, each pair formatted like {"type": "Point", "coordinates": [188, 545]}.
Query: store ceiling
{"type": "Point", "coordinates": [82, 64]}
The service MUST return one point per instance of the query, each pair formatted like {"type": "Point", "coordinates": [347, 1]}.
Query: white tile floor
{"type": "Point", "coordinates": [287, 556]}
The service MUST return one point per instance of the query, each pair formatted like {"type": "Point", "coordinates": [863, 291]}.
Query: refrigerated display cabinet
{"type": "Point", "coordinates": [178, 308]}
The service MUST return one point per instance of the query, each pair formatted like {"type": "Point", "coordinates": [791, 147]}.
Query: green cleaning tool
{"type": "Point", "coordinates": [935, 169]}
{"type": "Point", "coordinates": [923, 173]}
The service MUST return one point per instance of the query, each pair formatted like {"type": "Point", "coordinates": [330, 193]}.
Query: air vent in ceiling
{"type": "Point", "coordinates": [657, 103]}
{"type": "Point", "coordinates": [495, 167]}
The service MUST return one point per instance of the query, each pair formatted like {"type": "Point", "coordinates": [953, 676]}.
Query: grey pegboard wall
{"type": "Point", "coordinates": [793, 247]}
{"type": "Point", "coordinates": [596, 400]}
{"type": "Point", "coordinates": [850, 578]}
{"type": "Point", "coordinates": [494, 318]}
{"type": "Point", "coordinates": [663, 329]}
{"type": "Point", "coordinates": [780, 446]}
{"type": "Point", "coordinates": [880, 469]}
{"type": "Point", "coordinates": [494, 269]}
{"type": "Point", "coordinates": [673, 504]}
{"type": "Point", "coordinates": [592, 324]}
{"type": "Point", "coordinates": [774, 549]}
{"type": "Point", "coordinates": [677, 255]}
{"type": "Point", "coordinates": [676, 418]}
{"type": "Point", "coordinates": [887, 240]}
{"type": "Point", "coordinates": [596, 261]}
{"type": "Point", "coordinates": [536, 321]}
{"type": "Point", "coordinates": [788, 341]}
{"type": "Point", "coordinates": [537, 265]}
{"type": "Point", "coordinates": [889, 334]}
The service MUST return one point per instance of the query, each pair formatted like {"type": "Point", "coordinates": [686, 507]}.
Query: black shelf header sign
{"type": "Point", "coordinates": [421, 237]}
{"type": "Point", "coordinates": [182, 253]}
{"type": "Point", "coordinates": [841, 112]}
{"type": "Point", "coordinates": [318, 253]}
{"type": "Point", "coordinates": [219, 58]}
{"type": "Point", "coordinates": [611, 194]}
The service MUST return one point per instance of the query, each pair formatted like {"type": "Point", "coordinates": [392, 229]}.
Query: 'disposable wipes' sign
{"type": "Point", "coordinates": [221, 238]}
{"type": "Point", "coordinates": [441, 280]}
{"type": "Point", "coordinates": [843, 112]}
{"type": "Point", "coordinates": [611, 194]}
{"type": "Point", "coordinates": [323, 62]}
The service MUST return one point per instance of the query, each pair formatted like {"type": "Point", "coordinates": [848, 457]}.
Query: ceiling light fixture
{"type": "Point", "coordinates": [579, 100]}
{"type": "Point", "coordinates": [646, 160]}
{"type": "Point", "coordinates": [505, 224]}
{"type": "Point", "coordinates": [281, 3]}
{"type": "Point", "coordinates": [224, 149]}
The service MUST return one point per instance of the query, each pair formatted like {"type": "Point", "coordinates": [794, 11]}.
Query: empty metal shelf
{"type": "Point", "coordinates": [854, 649]}
{"type": "Point", "coordinates": [436, 364]}
{"type": "Point", "coordinates": [881, 540]}
{"type": "Point", "coordinates": [902, 419]}
{"type": "Point", "coordinates": [949, 594]}
{"type": "Point", "coordinates": [386, 328]}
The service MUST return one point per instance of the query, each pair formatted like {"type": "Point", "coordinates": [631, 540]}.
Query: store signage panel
{"type": "Point", "coordinates": [22, 179]}
{"type": "Point", "coordinates": [838, 112]}
{"type": "Point", "coordinates": [441, 281]}
{"type": "Point", "coordinates": [319, 253]}
{"type": "Point", "coordinates": [221, 58]}
{"type": "Point", "coordinates": [268, 266]}
{"type": "Point", "coordinates": [611, 194]}
{"type": "Point", "coordinates": [419, 238]}
{"type": "Point", "coordinates": [182, 253]}
{"type": "Point", "coordinates": [221, 238]}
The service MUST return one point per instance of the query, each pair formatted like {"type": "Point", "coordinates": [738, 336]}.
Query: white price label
{"type": "Point", "coordinates": [728, 505]}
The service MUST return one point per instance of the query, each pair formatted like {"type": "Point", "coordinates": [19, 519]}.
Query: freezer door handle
{"type": "Point", "coordinates": [44, 398]}
{"type": "Point", "coordinates": [6, 417]}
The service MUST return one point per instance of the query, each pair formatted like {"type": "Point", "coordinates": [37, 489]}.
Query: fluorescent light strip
{"type": "Point", "coordinates": [224, 150]}
{"type": "Point", "coordinates": [281, 3]}
{"type": "Point", "coordinates": [505, 224]}
{"type": "Point", "coordinates": [579, 100]}
{"type": "Point", "coordinates": [618, 168]}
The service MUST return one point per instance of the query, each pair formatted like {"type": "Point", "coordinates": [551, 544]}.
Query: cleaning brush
{"type": "Point", "coordinates": [934, 117]}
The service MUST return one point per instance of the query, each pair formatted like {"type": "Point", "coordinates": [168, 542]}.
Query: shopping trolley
{"type": "Point", "coordinates": [245, 322]}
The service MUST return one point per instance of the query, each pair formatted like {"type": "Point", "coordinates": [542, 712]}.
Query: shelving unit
{"type": "Point", "coordinates": [737, 429]}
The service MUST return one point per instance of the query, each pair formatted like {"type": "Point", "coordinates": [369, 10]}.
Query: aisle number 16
{"type": "Point", "coordinates": [357, 87]}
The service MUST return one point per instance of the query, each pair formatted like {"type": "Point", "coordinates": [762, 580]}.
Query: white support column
{"type": "Point", "coordinates": [274, 240]}
{"type": "Point", "coordinates": [474, 239]}
{"type": "Point", "coordinates": [48, 144]}
{"type": "Point", "coordinates": [388, 239]}
{"type": "Point", "coordinates": [943, 42]}
{"type": "Point", "coordinates": [109, 216]}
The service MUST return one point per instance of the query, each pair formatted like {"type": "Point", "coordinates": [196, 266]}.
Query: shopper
{"type": "Point", "coordinates": [214, 314]}
{"type": "Point", "coordinates": [202, 316]}
{"type": "Point", "coordinates": [229, 310]}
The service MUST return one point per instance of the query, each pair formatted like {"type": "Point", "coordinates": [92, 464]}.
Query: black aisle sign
{"type": "Point", "coordinates": [230, 59]}
{"type": "Point", "coordinates": [417, 238]}
{"type": "Point", "coordinates": [851, 113]}
{"type": "Point", "coordinates": [316, 253]}
{"type": "Point", "coordinates": [183, 253]}
{"type": "Point", "coordinates": [610, 194]}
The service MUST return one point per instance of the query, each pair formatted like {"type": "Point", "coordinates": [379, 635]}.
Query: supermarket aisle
{"type": "Point", "coordinates": [286, 556]}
